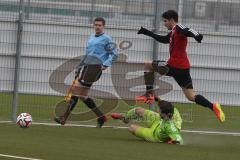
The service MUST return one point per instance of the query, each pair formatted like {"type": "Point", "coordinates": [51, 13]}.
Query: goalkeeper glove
{"type": "Point", "coordinates": [173, 142]}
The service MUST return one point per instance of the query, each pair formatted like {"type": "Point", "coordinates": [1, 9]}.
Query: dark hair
{"type": "Point", "coordinates": [170, 14]}
{"type": "Point", "coordinates": [100, 19]}
{"type": "Point", "coordinates": [166, 107]}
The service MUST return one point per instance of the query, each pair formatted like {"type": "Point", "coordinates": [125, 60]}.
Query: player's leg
{"type": "Point", "coordinates": [132, 114]}
{"type": "Point", "coordinates": [91, 74]}
{"type": "Point", "coordinates": [78, 91]}
{"type": "Point", "coordinates": [72, 104]}
{"type": "Point", "coordinates": [150, 119]}
{"type": "Point", "coordinates": [150, 68]}
{"type": "Point", "coordinates": [81, 90]}
{"type": "Point", "coordinates": [149, 77]}
{"type": "Point", "coordinates": [143, 115]}
{"type": "Point", "coordinates": [143, 133]}
{"type": "Point", "coordinates": [201, 100]}
{"type": "Point", "coordinates": [183, 78]}
{"type": "Point", "coordinates": [92, 105]}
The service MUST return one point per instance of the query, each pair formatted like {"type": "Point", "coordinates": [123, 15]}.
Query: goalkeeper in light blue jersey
{"type": "Point", "coordinates": [96, 46]}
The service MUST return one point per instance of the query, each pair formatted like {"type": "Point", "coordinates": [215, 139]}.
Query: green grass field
{"type": "Point", "coordinates": [61, 143]}
{"type": "Point", "coordinates": [71, 143]}
{"type": "Point", "coordinates": [195, 117]}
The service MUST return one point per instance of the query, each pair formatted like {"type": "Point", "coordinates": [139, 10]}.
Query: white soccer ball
{"type": "Point", "coordinates": [24, 120]}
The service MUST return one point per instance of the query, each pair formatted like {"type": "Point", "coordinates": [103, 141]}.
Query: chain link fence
{"type": "Point", "coordinates": [38, 36]}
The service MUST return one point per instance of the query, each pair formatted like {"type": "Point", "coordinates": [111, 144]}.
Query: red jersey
{"type": "Point", "coordinates": [177, 39]}
{"type": "Point", "coordinates": [177, 49]}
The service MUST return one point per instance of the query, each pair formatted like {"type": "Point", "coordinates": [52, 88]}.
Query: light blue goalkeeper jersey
{"type": "Point", "coordinates": [96, 47]}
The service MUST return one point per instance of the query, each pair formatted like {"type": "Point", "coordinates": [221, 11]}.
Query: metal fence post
{"type": "Point", "coordinates": [17, 61]}
{"type": "Point", "coordinates": [217, 15]}
{"type": "Point", "coordinates": [27, 9]}
{"type": "Point", "coordinates": [156, 26]}
{"type": "Point", "coordinates": [92, 11]}
{"type": "Point", "coordinates": [180, 11]}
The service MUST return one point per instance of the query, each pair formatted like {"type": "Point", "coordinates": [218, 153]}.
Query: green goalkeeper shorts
{"type": "Point", "coordinates": [151, 120]}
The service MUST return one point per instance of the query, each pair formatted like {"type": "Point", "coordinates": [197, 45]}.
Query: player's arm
{"type": "Point", "coordinates": [88, 47]}
{"type": "Point", "coordinates": [159, 38]}
{"type": "Point", "coordinates": [173, 134]}
{"type": "Point", "coordinates": [173, 142]}
{"type": "Point", "coordinates": [112, 55]}
{"type": "Point", "coordinates": [174, 139]}
{"type": "Point", "coordinates": [188, 32]}
{"type": "Point", "coordinates": [177, 119]}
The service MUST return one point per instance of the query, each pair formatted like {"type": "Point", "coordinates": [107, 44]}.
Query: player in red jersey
{"type": "Point", "coordinates": [178, 65]}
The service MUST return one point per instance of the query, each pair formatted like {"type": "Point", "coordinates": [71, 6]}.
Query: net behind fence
{"type": "Point", "coordinates": [54, 36]}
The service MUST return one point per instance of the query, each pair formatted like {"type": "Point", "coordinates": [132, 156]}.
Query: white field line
{"type": "Point", "coordinates": [122, 127]}
{"type": "Point", "coordinates": [17, 157]}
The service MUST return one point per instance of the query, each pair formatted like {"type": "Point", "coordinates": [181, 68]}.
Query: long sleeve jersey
{"type": "Point", "coordinates": [96, 47]}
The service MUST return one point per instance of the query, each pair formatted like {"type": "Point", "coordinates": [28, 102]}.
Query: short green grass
{"type": "Point", "coordinates": [73, 143]}
{"type": "Point", "coordinates": [195, 116]}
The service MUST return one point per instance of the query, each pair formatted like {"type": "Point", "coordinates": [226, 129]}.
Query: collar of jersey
{"type": "Point", "coordinates": [99, 35]}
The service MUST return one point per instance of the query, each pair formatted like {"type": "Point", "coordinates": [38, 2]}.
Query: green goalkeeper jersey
{"type": "Point", "coordinates": [157, 129]}
{"type": "Point", "coordinates": [166, 130]}
{"type": "Point", "coordinates": [177, 119]}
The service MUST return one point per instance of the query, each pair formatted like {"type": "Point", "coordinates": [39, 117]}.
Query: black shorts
{"type": "Point", "coordinates": [89, 74]}
{"type": "Point", "coordinates": [181, 76]}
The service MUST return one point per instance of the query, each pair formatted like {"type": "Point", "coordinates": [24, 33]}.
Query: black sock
{"type": "Point", "coordinates": [74, 100]}
{"type": "Point", "coordinates": [199, 99]}
{"type": "Point", "coordinates": [149, 88]}
{"type": "Point", "coordinates": [149, 80]}
{"type": "Point", "coordinates": [73, 103]}
{"type": "Point", "coordinates": [91, 104]}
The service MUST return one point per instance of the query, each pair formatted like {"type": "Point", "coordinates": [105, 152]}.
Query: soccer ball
{"type": "Point", "coordinates": [24, 120]}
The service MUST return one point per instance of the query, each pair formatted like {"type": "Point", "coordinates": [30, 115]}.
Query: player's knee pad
{"type": "Point", "coordinates": [90, 74]}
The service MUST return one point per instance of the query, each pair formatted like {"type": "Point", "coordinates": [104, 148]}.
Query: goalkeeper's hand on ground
{"type": "Point", "coordinates": [173, 142]}
{"type": "Point", "coordinates": [198, 38]}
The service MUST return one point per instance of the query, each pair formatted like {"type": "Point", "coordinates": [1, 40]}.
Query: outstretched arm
{"type": "Point", "coordinates": [189, 32]}
{"type": "Point", "coordinates": [159, 38]}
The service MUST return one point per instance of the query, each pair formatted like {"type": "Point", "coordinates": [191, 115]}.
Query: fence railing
{"type": "Point", "coordinates": [37, 36]}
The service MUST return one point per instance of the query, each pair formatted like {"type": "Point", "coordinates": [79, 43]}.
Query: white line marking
{"type": "Point", "coordinates": [123, 127]}
{"type": "Point", "coordinates": [213, 132]}
{"type": "Point", "coordinates": [17, 157]}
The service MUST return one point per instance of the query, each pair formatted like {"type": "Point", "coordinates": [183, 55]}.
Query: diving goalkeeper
{"type": "Point", "coordinates": [160, 127]}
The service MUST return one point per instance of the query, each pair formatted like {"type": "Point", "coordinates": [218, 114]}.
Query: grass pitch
{"type": "Point", "coordinates": [73, 143]}
{"type": "Point", "coordinates": [61, 143]}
